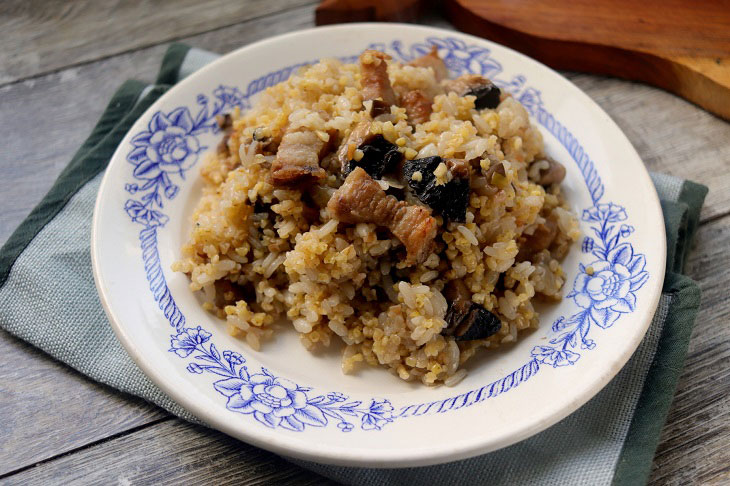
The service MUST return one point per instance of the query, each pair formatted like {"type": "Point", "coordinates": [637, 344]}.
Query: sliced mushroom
{"type": "Point", "coordinates": [379, 108]}
{"type": "Point", "coordinates": [449, 198]}
{"type": "Point", "coordinates": [496, 175]}
{"type": "Point", "coordinates": [488, 95]}
{"type": "Point", "coordinates": [376, 155]}
{"type": "Point", "coordinates": [467, 320]}
{"type": "Point", "coordinates": [225, 124]}
{"type": "Point", "coordinates": [554, 174]}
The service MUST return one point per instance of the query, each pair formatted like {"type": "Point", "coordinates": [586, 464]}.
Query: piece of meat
{"type": "Point", "coordinates": [543, 236]}
{"type": "Point", "coordinates": [541, 239]}
{"type": "Point", "coordinates": [360, 199]}
{"type": "Point", "coordinates": [297, 159]}
{"type": "Point", "coordinates": [487, 94]}
{"type": "Point", "coordinates": [374, 77]}
{"type": "Point", "coordinates": [417, 105]}
{"type": "Point", "coordinates": [433, 61]}
{"type": "Point", "coordinates": [360, 135]}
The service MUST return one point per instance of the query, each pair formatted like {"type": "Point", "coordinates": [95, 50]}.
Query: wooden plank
{"type": "Point", "coordinates": [41, 36]}
{"type": "Point", "coordinates": [693, 449]}
{"type": "Point", "coordinates": [44, 120]}
{"type": "Point", "coordinates": [671, 135]}
{"type": "Point", "coordinates": [48, 409]}
{"type": "Point", "coordinates": [172, 452]}
{"type": "Point", "coordinates": [694, 445]}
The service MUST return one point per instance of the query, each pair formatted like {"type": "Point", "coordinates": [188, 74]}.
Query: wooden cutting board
{"type": "Point", "coordinates": [681, 46]}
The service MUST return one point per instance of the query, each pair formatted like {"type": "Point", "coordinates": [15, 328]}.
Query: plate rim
{"type": "Point", "coordinates": [296, 447]}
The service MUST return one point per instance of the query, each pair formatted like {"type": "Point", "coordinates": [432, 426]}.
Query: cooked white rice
{"type": "Point", "coordinates": [259, 253]}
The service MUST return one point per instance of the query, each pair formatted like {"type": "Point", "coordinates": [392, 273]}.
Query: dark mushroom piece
{"type": "Point", "coordinates": [225, 124]}
{"type": "Point", "coordinates": [448, 199]}
{"type": "Point", "coordinates": [378, 108]}
{"type": "Point", "coordinates": [554, 174]}
{"type": "Point", "coordinates": [467, 320]}
{"type": "Point", "coordinates": [378, 155]}
{"type": "Point", "coordinates": [488, 95]}
{"type": "Point", "coordinates": [496, 175]}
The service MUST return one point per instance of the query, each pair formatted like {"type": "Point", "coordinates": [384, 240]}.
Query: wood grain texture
{"type": "Point", "coordinates": [45, 119]}
{"type": "Point", "coordinates": [670, 134]}
{"type": "Point", "coordinates": [668, 27]}
{"type": "Point", "coordinates": [36, 147]}
{"type": "Point", "coordinates": [694, 442]}
{"type": "Point", "coordinates": [340, 11]}
{"type": "Point", "coordinates": [680, 46]}
{"type": "Point", "coordinates": [666, 43]}
{"type": "Point", "coordinates": [48, 409]}
{"type": "Point", "coordinates": [173, 452]}
{"type": "Point", "coordinates": [39, 36]}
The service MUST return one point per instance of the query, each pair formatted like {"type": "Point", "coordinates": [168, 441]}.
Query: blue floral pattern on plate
{"type": "Point", "coordinates": [603, 290]}
{"type": "Point", "coordinates": [272, 400]}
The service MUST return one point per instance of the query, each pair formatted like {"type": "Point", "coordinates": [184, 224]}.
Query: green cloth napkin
{"type": "Point", "coordinates": [48, 298]}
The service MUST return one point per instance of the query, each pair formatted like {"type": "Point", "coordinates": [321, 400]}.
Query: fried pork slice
{"type": "Point", "coordinates": [360, 135]}
{"type": "Point", "coordinates": [433, 61]}
{"type": "Point", "coordinates": [417, 105]}
{"type": "Point", "coordinates": [297, 159]}
{"type": "Point", "coordinates": [374, 77]}
{"type": "Point", "coordinates": [361, 200]}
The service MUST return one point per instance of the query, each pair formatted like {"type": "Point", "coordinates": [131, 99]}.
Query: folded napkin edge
{"type": "Point", "coordinates": [172, 60]}
{"type": "Point", "coordinates": [72, 178]}
{"type": "Point", "coordinates": [636, 458]}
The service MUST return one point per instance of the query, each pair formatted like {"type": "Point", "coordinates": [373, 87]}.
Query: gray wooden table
{"type": "Point", "coordinates": [60, 63]}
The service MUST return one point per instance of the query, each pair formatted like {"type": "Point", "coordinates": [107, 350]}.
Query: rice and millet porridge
{"type": "Point", "coordinates": [412, 216]}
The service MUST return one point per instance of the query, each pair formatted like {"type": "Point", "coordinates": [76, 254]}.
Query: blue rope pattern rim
{"type": "Point", "coordinates": [169, 147]}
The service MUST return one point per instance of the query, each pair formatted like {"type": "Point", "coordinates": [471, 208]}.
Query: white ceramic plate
{"type": "Point", "coordinates": [372, 418]}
